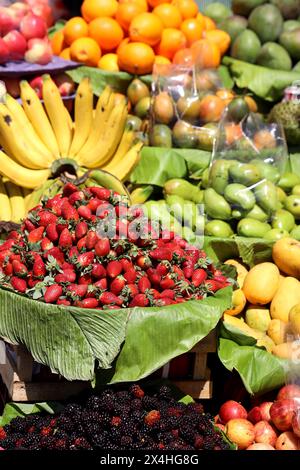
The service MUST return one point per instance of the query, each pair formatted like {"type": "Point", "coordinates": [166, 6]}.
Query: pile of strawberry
{"type": "Point", "coordinates": [59, 257]}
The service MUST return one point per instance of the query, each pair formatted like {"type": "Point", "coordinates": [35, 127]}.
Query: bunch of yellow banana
{"type": "Point", "coordinates": [12, 201]}
{"type": "Point", "coordinates": [35, 137]}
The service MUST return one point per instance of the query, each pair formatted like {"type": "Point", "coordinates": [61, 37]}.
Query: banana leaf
{"type": "Point", "coordinates": [119, 81]}
{"type": "Point", "coordinates": [12, 410]}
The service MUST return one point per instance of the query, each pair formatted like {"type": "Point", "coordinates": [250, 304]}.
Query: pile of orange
{"type": "Point", "coordinates": [133, 35]}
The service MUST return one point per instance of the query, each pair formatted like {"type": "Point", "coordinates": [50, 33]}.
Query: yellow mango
{"type": "Point", "coordinates": [286, 255]}
{"type": "Point", "coordinates": [290, 350]}
{"type": "Point", "coordinates": [241, 325]}
{"type": "Point", "coordinates": [258, 317]}
{"type": "Point", "coordinates": [294, 317]}
{"type": "Point", "coordinates": [261, 283]}
{"type": "Point", "coordinates": [238, 302]}
{"type": "Point", "coordinates": [287, 295]}
{"type": "Point", "coordinates": [267, 343]}
{"type": "Point", "coordinates": [241, 271]}
{"type": "Point", "coordinates": [278, 331]}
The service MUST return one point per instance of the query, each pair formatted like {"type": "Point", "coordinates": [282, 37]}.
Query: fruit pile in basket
{"type": "Point", "coordinates": [89, 249]}
{"type": "Point", "coordinates": [133, 35]}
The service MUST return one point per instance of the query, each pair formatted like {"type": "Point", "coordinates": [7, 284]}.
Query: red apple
{"type": "Point", "coordinates": [296, 423]}
{"type": "Point", "coordinates": [13, 86]}
{"type": "Point", "coordinates": [44, 11]}
{"type": "Point", "coordinates": [265, 410]}
{"type": "Point", "coordinates": [282, 412]}
{"type": "Point", "coordinates": [4, 52]}
{"type": "Point", "coordinates": [37, 85]}
{"type": "Point", "coordinates": [65, 84]}
{"type": "Point", "coordinates": [264, 433]}
{"type": "Point", "coordinates": [287, 441]}
{"type": "Point", "coordinates": [21, 8]}
{"type": "Point", "coordinates": [33, 26]}
{"type": "Point", "coordinates": [241, 432]}
{"type": "Point", "coordinates": [39, 51]}
{"type": "Point", "coordinates": [257, 446]}
{"type": "Point", "coordinates": [8, 21]}
{"type": "Point", "coordinates": [230, 410]}
{"type": "Point", "coordinates": [254, 415]}
{"type": "Point", "coordinates": [291, 391]}
{"type": "Point", "coordinates": [16, 44]}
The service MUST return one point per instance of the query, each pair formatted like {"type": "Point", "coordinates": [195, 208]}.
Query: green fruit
{"type": "Point", "coordinates": [184, 135]}
{"type": "Point", "coordinates": [288, 181]}
{"type": "Point", "coordinates": [296, 190]}
{"type": "Point", "coordinates": [276, 234]}
{"type": "Point", "coordinates": [216, 206]}
{"type": "Point", "coordinates": [290, 40]}
{"type": "Point", "coordinates": [244, 7]}
{"type": "Point", "coordinates": [134, 122]}
{"type": "Point", "coordinates": [283, 220]}
{"type": "Point", "coordinates": [274, 56]}
{"type": "Point", "coordinates": [266, 196]}
{"type": "Point", "coordinates": [244, 173]}
{"type": "Point", "coordinates": [237, 109]}
{"type": "Point", "coordinates": [205, 178]}
{"type": "Point", "coordinates": [217, 11]}
{"type": "Point", "coordinates": [252, 228]}
{"type": "Point", "coordinates": [188, 108]}
{"type": "Point", "coordinates": [297, 67]}
{"type": "Point", "coordinates": [233, 25]}
{"type": "Point", "coordinates": [258, 317]}
{"type": "Point", "coordinates": [206, 136]}
{"type": "Point", "coordinates": [239, 195]}
{"type": "Point", "coordinates": [267, 22]}
{"type": "Point", "coordinates": [218, 228]}
{"type": "Point", "coordinates": [267, 171]}
{"type": "Point", "coordinates": [290, 9]}
{"type": "Point", "coordinates": [184, 189]}
{"type": "Point", "coordinates": [161, 136]}
{"type": "Point", "coordinates": [142, 107]}
{"type": "Point", "coordinates": [291, 25]}
{"type": "Point", "coordinates": [258, 214]}
{"type": "Point", "coordinates": [280, 194]}
{"type": "Point", "coordinates": [136, 91]}
{"type": "Point", "coordinates": [246, 46]}
{"type": "Point", "coordinates": [292, 204]}
{"type": "Point", "coordinates": [163, 109]}
{"type": "Point", "coordinates": [295, 233]}
{"type": "Point", "coordinates": [186, 212]}
{"type": "Point", "coordinates": [238, 214]}
{"type": "Point", "coordinates": [219, 175]}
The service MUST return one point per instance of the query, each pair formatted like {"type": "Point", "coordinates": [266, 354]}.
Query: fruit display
{"type": "Point", "coordinates": [23, 32]}
{"type": "Point", "coordinates": [266, 305]}
{"type": "Point", "coordinates": [265, 33]}
{"type": "Point", "coordinates": [134, 35]}
{"type": "Point", "coordinates": [270, 425]}
{"type": "Point", "coordinates": [287, 113]}
{"type": "Point", "coordinates": [63, 81]}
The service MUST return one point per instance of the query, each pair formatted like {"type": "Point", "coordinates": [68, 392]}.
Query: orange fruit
{"type": "Point", "coordinates": [107, 32]}
{"type": "Point", "coordinates": [160, 60]}
{"type": "Point", "coordinates": [109, 62]}
{"type": "Point", "coordinates": [211, 108]}
{"type": "Point", "coordinates": [233, 132]}
{"type": "Point", "coordinates": [86, 51]}
{"type": "Point", "coordinates": [187, 8]}
{"type": "Point", "coordinates": [135, 57]}
{"type": "Point", "coordinates": [147, 28]}
{"type": "Point", "coordinates": [65, 54]}
{"type": "Point", "coordinates": [220, 38]}
{"type": "Point", "coordinates": [172, 40]}
{"type": "Point", "coordinates": [184, 57]}
{"type": "Point", "coordinates": [58, 42]}
{"type": "Point", "coordinates": [126, 12]}
{"type": "Point", "coordinates": [92, 9]}
{"type": "Point", "coordinates": [207, 54]}
{"type": "Point", "coordinates": [75, 28]}
{"type": "Point", "coordinates": [209, 23]}
{"type": "Point", "coordinates": [201, 20]}
{"type": "Point", "coordinates": [169, 15]}
{"type": "Point", "coordinates": [154, 3]}
{"type": "Point", "coordinates": [225, 94]}
{"type": "Point", "coordinates": [142, 3]}
{"type": "Point", "coordinates": [192, 30]}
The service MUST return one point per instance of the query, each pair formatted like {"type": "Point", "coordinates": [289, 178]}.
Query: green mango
{"type": "Point", "coordinates": [295, 233]}
{"type": "Point", "coordinates": [283, 220]}
{"type": "Point", "coordinates": [296, 190]}
{"type": "Point", "coordinates": [252, 228]}
{"type": "Point", "coordinates": [267, 171]}
{"type": "Point", "coordinates": [244, 173]}
{"type": "Point", "coordinates": [276, 234]}
{"type": "Point", "coordinates": [292, 204]}
{"type": "Point", "coordinates": [216, 206]}
{"type": "Point", "coordinates": [266, 196]}
{"type": "Point", "coordinates": [258, 214]}
{"type": "Point", "coordinates": [281, 194]}
{"type": "Point", "coordinates": [205, 178]}
{"type": "Point", "coordinates": [188, 234]}
{"type": "Point", "coordinates": [219, 175]}
{"type": "Point", "coordinates": [237, 214]}
{"type": "Point", "coordinates": [288, 181]}
{"type": "Point", "coordinates": [186, 212]}
{"type": "Point", "coordinates": [239, 195]}
{"type": "Point", "coordinates": [218, 228]}
{"type": "Point", "coordinates": [184, 189]}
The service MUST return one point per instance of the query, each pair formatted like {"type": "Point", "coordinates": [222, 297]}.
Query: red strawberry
{"type": "Point", "coordinates": [29, 226]}
{"type": "Point", "coordinates": [65, 302]}
{"type": "Point", "coordinates": [55, 204]}
{"type": "Point", "coordinates": [98, 271]}
{"type": "Point", "coordinates": [84, 212]}
{"type": "Point", "coordinates": [67, 276]}
{"type": "Point", "coordinates": [104, 210]}
{"type": "Point", "coordinates": [126, 264]}
{"type": "Point", "coordinates": [18, 284]}
{"type": "Point", "coordinates": [140, 300]}
{"type": "Point", "coordinates": [4, 255]}
{"type": "Point", "coordinates": [78, 290]}
{"type": "Point", "coordinates": [32, 282]}
{"type": "Point", "coordinates": [122, 228]}
{"type": "Point", "coordinates": [61, 227]}
{"type": "Point", "coordinates": [153, 276]}
{"type": "Point", "coordinates": [69, 188]}
{"type": "Point", "coordinates": [51, 232]}
{"type": "Point", "coordinates": [179, 273]}
{"type": "Point", "coordinates": [213, 285]}
{"type": "Point", "coordinates": [107, 298]}
{"type": "Point", "coordinates": [162, 254]}
{"type": "Point", "coordinates": [130, 290]}
{"type": "Point", "coordinates": [14, 235]}
{"type": "Point", "coordinates": [36, 235]}
{"type": "Point", "coordinates": [39, 268]}
{"type": "Point", "coordinates": [81, 245]}
{"type": "Point", "coordinates": [101, 193]}
{"type": "Point", "coordinates": [76, 196]}
{"type": "Point", "coordinates": [65, 239]}
{"type": "Point", "coordinates": [121, 211]}
{"type": "Point", "coordinates": [91, 239]}
{"type": "Point", "coordinates": [19, 269]}
{"type": "Point", "coordinates": [15, 257]}
{"type": "Point", "coordinates": [67, 266]}
{"type": "Point", "coordinates": [57, 254]}
{"type": "Point", "coordinates": [46, 244]}
{"type": "Point", "coordinates": [153, 293]}
{"type": "Point", "coordinates": [102, 247]}
{"type": "Point", "coordinates": [8, 269]}
{"type": "Point", "coordinates": [170, 294]}
{"type": "Point", "coordinates": [143, 262]}
{"type": "Point", "coordinates": [117, 285]}
{"type": "Point", "coordinates": [135, 212]}
{"type": "Point", "coordinates": [85, 279]}
{"type": "Point", "coordinates": [167, 236]}
{"type": "Point", "coordinates": [102, 284]}
{"type": "Point", "coordinates": [188, 270]}
{"type": "Point", "coordinates": [144, 284]}
{"type": "Point", "coordinates": [73, 252]}
{"type": "Point", "coordinates": [69, 212]}
{"type": "Point", "coordinates": [113, 269]}
{"type": "Point", "coordinates": [46, 218]}
{"type": "Point", "coordinates": [198, 277]}
{"type": "Point", "coordinates": [89, 302]}
{"type": "Point", "coordinates": [7, 245]}
{"type": "Point", "coordinates": [167, 282]}
{"type": "Point", "coordinates": [85, 259]}
{"type": "Point", "coordinates": [130, 275]}
{"type": "Point", "coordinates": [164, 301]}
{"type": "Point", "coordinates": [53, 293]}
{"type": "Point", "coordinates": [93, 204]}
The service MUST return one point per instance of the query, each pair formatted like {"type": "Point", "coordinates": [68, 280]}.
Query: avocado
{"type": "Point", "coordinates": [244, 7]}
{"type": "Point", "coordinates": [290, 25]}
{"type": "Point", "coordinates": [217, 11]}
{"type": "Point", "coordinates": [233, 25]}
{"type": "Point", "coordinates": [290, 40]}
{"type": "Point", "coordinates": [290, 9]}
{"type": "Point", "coordinates": [246, 47]}
{"type": "Point", "coordinates": [274, 56]}
{"type": "Point", "coordinates": [267, 22]}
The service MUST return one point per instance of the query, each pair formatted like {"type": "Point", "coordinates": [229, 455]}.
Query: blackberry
{"type": "Point", "coordinates": [31, 440]}
{"type": "Point", "coordinates": [195, 408]}
{"type": "Point", "coordinates": [80, 443]}
{"type": "Point", "coordinates": [99, 440]}
{"type": "Point", "coordinates": [165, 393]}
{"type": "Point", "coordinates": [123, 398]}
{"type": "Point", "coordinates": [65, 423]}
{"type": "Point", "coordinates": [136, 391]}
{"type": "Point", "coordinates": [88, 417]}
{"type": "Point", "coordinates": [92, 429]}
{"type": "Point", "coordinates": [188, 434]}
{"type": "Point", "coordinates": [94, 403]}
{"type": "Point", "coordinates": [61, 444]}
{"type": "Point", "coordinates": [208, 443]}
{"type": "Point", "coordinates": [72, 409]}
{"type": "Point", "coordinates": [150, 403]}
{"type": "Point", "coordinates": [18, 425]}
{"type": "Point", "coordinates": [48, 442]}
{"type": "Point", "coordinates": [106, 402]}
{"type": "Point", "coordinates": [136, 404]}
{"type": "Point", "coordinates": [126, 442]}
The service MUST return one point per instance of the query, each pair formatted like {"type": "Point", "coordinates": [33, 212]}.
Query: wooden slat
{"type": "Point", "coordinates": [44, 391]}
{"type": "Point", "coordinates": [208, 344]}
{"type": "Point", "coordinates": [200, 389]}
{"type": "Point", "coordinates": [200, 366]}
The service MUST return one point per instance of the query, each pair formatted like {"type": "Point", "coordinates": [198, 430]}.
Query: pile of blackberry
{"type": "Point", "coordinates": [117, 420]}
